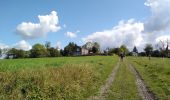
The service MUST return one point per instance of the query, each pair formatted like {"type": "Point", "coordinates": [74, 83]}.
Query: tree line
{"type": "Point", "coordinates": [40, 50]}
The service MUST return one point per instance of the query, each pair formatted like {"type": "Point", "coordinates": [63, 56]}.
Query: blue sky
{"type": "Point", "coordinates": [82, 18]}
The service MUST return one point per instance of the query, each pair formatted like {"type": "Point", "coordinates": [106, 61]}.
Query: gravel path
{"type": "Point", "coordinates": [144, 92]}
{"type": "Point", "coordinates": [105, 88]}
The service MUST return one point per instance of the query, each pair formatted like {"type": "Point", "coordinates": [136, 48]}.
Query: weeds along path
{"type": "Point", "coordinates": [144, 92]}
{"type": "Point", "coordinates": [104, 88]}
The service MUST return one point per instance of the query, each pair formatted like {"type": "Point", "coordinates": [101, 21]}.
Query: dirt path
{"type": "Point", "coordinates": [104, 88]}
{"type": "Point", "coordinates": [144, 92]}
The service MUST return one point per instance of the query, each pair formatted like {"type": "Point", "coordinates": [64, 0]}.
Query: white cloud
{"type": "Point", "coordinates": [128, 33]}
{"type": "Point", "coordinates": [47, 23]}
{"type": "Point", "coordinates": [58, 45]}
{"type": "Point", "coordinates": [159, 19]}
{"type": "Point", "coordinates": [163, 38]}
{"type": "Point", "coordinates": [71, 35]}
{"type": "Point", "coordinates": [134, 33]}
{"type": "Point", "coordinates": [22, 45]}
{"type": "Point", "coordinates": [3, 46]}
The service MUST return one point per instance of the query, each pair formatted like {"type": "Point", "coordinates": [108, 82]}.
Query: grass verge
{"type": "Point", "coordinates": [155, 73]}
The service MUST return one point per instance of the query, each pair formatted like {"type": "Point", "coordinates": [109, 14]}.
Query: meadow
{"type": "Point", "coordinates": [63, 78]}
{"type": "Point", "coordinates": [78, 78]}
{"type": "Point", "coordinates": [156, 74]}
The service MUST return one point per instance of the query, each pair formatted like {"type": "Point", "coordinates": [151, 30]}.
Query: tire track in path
{"type": "Point", "coordinates": [105, 88]}
{"type": "Point", "coordinates": [144, 92]}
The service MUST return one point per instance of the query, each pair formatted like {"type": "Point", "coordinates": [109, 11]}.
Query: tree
{"type": "Point", "coordinates": [70, 49]}
{"type": "Point", "coordinates": [53, 52]}
{"type": "Point", "coordinates": [148, 49]}
{"type": "Point", "coordinates": [88, 45]}
{"type": "Point", "coordinates": [95, 48]}
{"type": "Point", "coordinates": [47, 44]}
{"type": "Point", "coordinates": [18, 53]}
{"type": "Point", "coordinates": [38, 51]}
{"type": "Point", "coordinates": [124, 49]}
{"type": "Point", "coordinates": [163, 47]}
{"type": "Point", "coordinates": [112, 51]}
{"type": "Point", "coordinates": [135, 49]}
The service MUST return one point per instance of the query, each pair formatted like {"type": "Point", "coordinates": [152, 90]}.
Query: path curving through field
{"type": "Point", "coordinates": [144, 92]}
{"type": "Point", "coordinates": [105, 88]}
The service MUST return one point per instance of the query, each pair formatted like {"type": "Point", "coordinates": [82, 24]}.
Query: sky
{"type": "Point", "coordinates": [111, 23]}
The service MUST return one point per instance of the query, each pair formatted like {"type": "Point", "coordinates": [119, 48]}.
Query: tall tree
{"type": "Point", "coordinates": [163, 47]}
{"type": "Point", "coordinates": [135, 49]}
{"type": "Point", "coordinates": [124, 49]}
{"type": "Point", "coordinates": [54, 52]}
{"type": "Point", "coordinates": [95, 48]}
{"type": "Point", "coordinates": [38, 51]}
{"type": "Point", "coordinates": [47, 44]}
{"type": "Point", "coordinates": [70, 49]}
{"type": "Point", "coordinates": [148, 49]}
{"type": "Point", "coordinates": [18, 53]}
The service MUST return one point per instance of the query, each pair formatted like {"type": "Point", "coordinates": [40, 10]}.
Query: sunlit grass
{"type": "Point", "coordinates": [156, 74]}
{"type": "Point", "coordinates": [70, 78]}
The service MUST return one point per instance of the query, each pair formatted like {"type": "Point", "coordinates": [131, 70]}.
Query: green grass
{"type": "Point", "coordinates": [124, 86]}
{"type": "Point", "coordinates": [156, 74]}
{"type": "Point", "coordinates": [70, 78]}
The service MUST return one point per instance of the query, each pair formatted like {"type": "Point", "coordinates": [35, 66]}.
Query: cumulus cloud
{"type": "Point", "coordinates": [47, 23]}
{"type": "Point", "coordinates": [159, 19]}
{"type": "Point", "coordinates": [128, 33]}
{"type": "Point", "coordinates": [71, 35]}
{"type": "Point", "coordinates": [22, 45]}
{"type": "Point", "coordinates": [3, 46]}
{"type": "Point", "coordinates": [58, 45]}
{"type": "Point", "coordinates": [136, 33]}
{"type": "Point", "coordinates": [163, 38]}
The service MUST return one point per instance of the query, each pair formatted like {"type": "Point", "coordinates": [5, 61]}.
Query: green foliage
{"type": "Point", "coordinates": [155, 73]}
{"type": "Point", "coordinates": [96, 48]}
{"type": "Point", "coordinates": [70, 49]}
{"type": "Point", "coordinates": [93, 47]}
{"type": "Point", "coordinates": [135, 49]}
{"type": "Point", "coordinates": [124, 49]}
{"type": "Point", "coordinates": [53, 52]}
{"type": "Point", "coordinates": [47, 44]}
{"type": "Point", "coordinates": [18, 53]}
{"type": "Point", "coordinates": [70, 78]}
{"type": "Point", "coordinates": [38, 51]}
{"type": "Point", "coordinates": [148, 49]}
{"type": "Point", "coordinates": [114, 51]}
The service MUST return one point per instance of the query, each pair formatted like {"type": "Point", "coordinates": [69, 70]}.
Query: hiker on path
{"type": "Point", "coordinates": [122, 56]}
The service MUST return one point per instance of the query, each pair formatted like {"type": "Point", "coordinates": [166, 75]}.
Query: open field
{"type": "Point", "coordinates": [156, 74]}
{"type": "Point", "coordinates": [79, 78]}
{"type": "Point", "coordinates": [54, 78]}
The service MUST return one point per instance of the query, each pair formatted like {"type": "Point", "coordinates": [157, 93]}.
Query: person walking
{"type": "Point", "coordinates": [121, 56]}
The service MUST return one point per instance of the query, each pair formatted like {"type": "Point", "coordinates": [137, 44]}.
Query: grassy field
{"type": "Point", "coordinates": [156, 74]}
{"type": "Point", "coordinates": [124, 87]}
{"type": "Point", "coordinates": [65, 78]}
